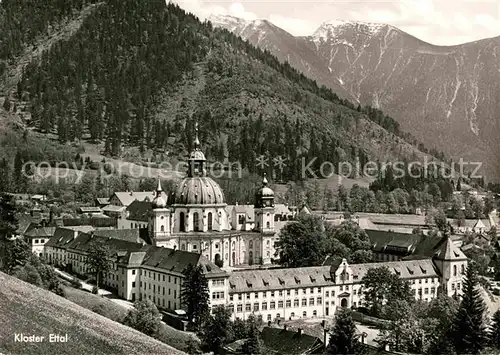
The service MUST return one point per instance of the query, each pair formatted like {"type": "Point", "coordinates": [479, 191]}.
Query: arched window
{"type": "Point", "coordinates": [196, 222]}
{"type": "Point", "coordinates": [162, 228]}
{"type": "Point", "coordinates": [209, 222]}
{"type": "Point", "coordinates": [454, 270]}
{"type": "Point", "coordinates": [304, 314]}
{"type": "Point", "coordinates": [182, 222]}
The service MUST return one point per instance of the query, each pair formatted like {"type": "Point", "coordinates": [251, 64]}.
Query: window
{"type": "Point", "coordinates": [280, 304]}
{"type": "Point", "coordinates": [268, 225]}
{"type": "Point", "coordinates": [248, 307]}
{"type": "Point", "coordinates": [264, 306]}
{"type": "Point", "coordinates": [210, 221]}
{"type": "Point", "coordinates": [36, 241]}
{"type": "Point", "coordinates": [462, 268]}
{"type": "Point", "coordinates": [304, 302]}
{"type": "Point", "coordinates": [133, 272]}
{"type": "Point", "coordinates": [281, 293]}
{"type": "Point", "coordinates": [196, 222]}
{"type": "Point", "coordinates": [319, 301]}
{"type": "Point", "coordinates": [133, 283]}
{"type": "Point", "coordinates": [272, 293]}
{"type": "Point", "coordinates": [289, 303]}
{"type": "Point", "coordinates": [304, 314]}
{"type": "Point", "coordinates": [250, 244]}
{"type": "Point", "coordinates": [162, 228]}
{"type": "Point", "coordinates": [327, 294]}
{"type": "Point", "coordinates": [182, 222]}
{"type": "Point", "coordinates": [295, 303]}
{"type": "Point", "coordinates": [454, 270]}
{"type": "Point", "coordinates": [311, 301]}
{"type": "Point", "coordinates": [268, 317]}
{"type": "Point", "coordinates": [272, 305]}
{"type": "Point", "coordinates": [426, 291]}
{"type": "Point", "coordinates": [241, 219]}
{"type": "Point", "coordinates": [256, 307]}
{"type": "Point", "coordinates": [239, 296]}
{"type": "Point", "coordinates": [239, 308]}
{"type": "Point", "coordinates": [315, 313]}
{"type": "Point", "coordinates": [319, 289]}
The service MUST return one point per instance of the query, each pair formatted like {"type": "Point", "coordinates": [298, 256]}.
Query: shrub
{"type": "Point", "coordinates": [76, 283]}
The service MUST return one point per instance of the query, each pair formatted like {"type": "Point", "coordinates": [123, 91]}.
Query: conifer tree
{"type": "Point", "coordinates": [494, 334]}
{"type": "Point", "coordinates": [469, 328]}
{"type": "Point", "coordinates": [194, 295]}
{"type": "Point", "coordinates": [253, 345]}
{"type": "Point", "coordinates": [343, 338]}
{"type": "Point", "coordinates": [217, 330]}
{"type": "Point", "coordinates": [8, 220]}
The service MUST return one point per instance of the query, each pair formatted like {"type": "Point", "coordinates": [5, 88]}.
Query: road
{"type": "Point", "coordinates": [86, 286]}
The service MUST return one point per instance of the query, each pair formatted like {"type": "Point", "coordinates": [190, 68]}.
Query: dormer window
{"type": "Point", "coordinates": [249, 284]}
{"type": "Point", "coordinates": [281, 281]}
{"type": "Point", "coordinates": [312, 278]}
{"type": "Point", "coordinates": [297, 280]}
{"type": "Point", "coordinates": [266, 283]}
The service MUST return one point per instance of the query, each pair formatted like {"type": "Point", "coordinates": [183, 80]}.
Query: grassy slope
{"type": "Point", "coordinates": [117, 313]}
{"type": "Point", "coordinates": [27, 309]}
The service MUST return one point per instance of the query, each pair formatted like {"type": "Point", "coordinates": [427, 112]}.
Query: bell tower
{"type": "Point", "coordinates": [264, 208]}
{"type": "Point", "coordinates": [159, 224]}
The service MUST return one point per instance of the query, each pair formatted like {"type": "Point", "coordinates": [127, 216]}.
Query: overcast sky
{"type": "Point", "coordinates": [442, 22]}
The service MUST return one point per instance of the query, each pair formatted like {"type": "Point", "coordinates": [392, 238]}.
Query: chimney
{"type": "Point", "coordinates": [285, 327]}
{"type": "Point", "coordinates": [299, 331]}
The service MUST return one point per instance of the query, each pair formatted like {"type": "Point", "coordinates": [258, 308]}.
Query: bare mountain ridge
{"type": "Point", "coordinates": [446, 96]}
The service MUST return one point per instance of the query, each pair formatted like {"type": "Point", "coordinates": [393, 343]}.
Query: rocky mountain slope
{"type": "Point", "coordinates": [447, 97]}
{"type": "Point", "coordinates": [140, 73]}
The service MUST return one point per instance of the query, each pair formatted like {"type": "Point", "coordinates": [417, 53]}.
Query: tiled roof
{"type": "Point", "coordinates": [126, 198]}
{"type": "Point", "coordinates": [96, 222]}
{"type": "Point", "coordinates": [129, 235]}
{"type": "Point", "coordinates": [41, 232]}
{"type": "Point", "coordinates": [103, 200]}
{"type": "Point", "coordinates": [90, 210]}
{"type": "Point", "coordinates": [449, 251]}
{"type": "Point", "coordinates": [248, 210]}
{"type": "Point", "coordinates": [113, 208]}
{"type": "Point", "coordinates": [134, 254]}
{"type": "Point", "coordinates": [317, 276]}
{"type": "Point", "coordinates": [271, 279]}
{"type": "Point", "coordinates": [282, 209]}
{"type": "Point", "coordinates": [383, 240]}
{"type": "Point", "coordinates": [288, 342]}
{"type": "Point", "coordinates": [139, 211]}
{"type": "Point", "coordinates": [406, 269]}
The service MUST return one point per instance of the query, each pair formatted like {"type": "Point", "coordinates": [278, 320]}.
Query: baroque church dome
{"type": "Point", "coordinates": [197, 188]}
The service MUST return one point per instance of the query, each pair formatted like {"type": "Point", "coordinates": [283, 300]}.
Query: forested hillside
{"type": "Point", "coordinates": [141, 73]}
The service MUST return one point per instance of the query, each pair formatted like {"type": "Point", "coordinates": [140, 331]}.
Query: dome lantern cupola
{"type": "Point", "coordinates": [265, 195]}
{"type": "Point", "coordinates": [159, 201]}
{"type": "Point", "coordinates": [196, 161]}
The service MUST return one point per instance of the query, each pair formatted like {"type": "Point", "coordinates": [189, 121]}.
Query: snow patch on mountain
{"type": "Point", "coordinates": [331, 29]}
